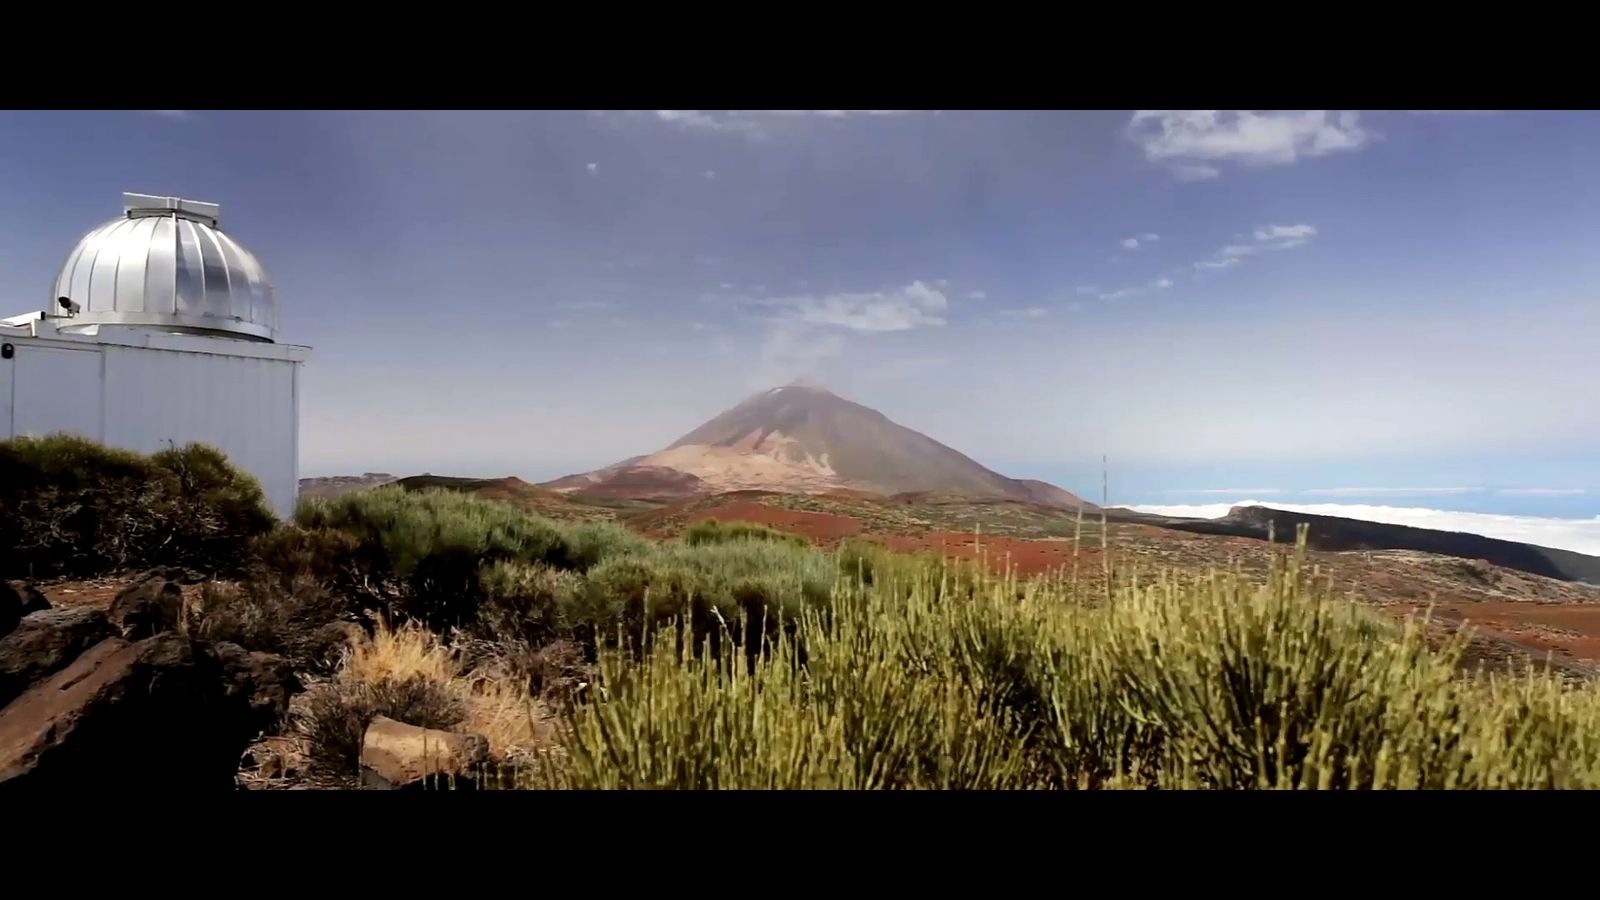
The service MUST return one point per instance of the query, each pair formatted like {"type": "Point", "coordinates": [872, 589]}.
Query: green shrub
{"type": "Point", "coordinates": [711, 586]}
{"type": "Point", "coordinates": [530, 603]}
{"type": "Point", "coordinates": [592, 543]}
{"type": "Point", "coordinates": [73, 507]}
{"type": "Point", "coordinates": [213, 511]}
{"type": "Point", "coordinates": [712, 531]}
{"type": "Point", "coordinates": [290, 554]}
{"type": "Point", "coordinates": [421, 552]}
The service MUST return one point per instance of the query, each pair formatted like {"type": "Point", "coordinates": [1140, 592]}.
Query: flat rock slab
{"type": "Point", "coordinates": [397, 755]}
{"type": "Point", "coordinates": [44, 643]}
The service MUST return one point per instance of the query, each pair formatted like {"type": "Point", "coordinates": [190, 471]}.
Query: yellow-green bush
{"type": "Point", "coordinates": [709, 586]}
{"type": "Point", "coordinates": [1208, 682]}
{"type": "Point", "coordinates": [528, 602]}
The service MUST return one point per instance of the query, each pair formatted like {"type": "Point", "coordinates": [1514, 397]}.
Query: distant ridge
{"type": "Point", "coordinates": [1338, 533]}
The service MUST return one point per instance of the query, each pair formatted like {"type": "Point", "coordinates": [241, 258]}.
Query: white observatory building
{"type": "Point", "coordinates": [161, 330]}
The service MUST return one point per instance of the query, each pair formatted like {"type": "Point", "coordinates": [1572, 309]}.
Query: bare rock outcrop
{"type": "Point", "coordinates": [19, 599]}
{"type": "Point", "coordinates": [262, 682]}
{"type": "Point", "coordinates": [156, 712]}
{"type": "Point", "coordinates": [395, 755]}
{"type": "Point", "coordinates": [44, 643]}
{"type": "Point", "coordinates": [148, 607]}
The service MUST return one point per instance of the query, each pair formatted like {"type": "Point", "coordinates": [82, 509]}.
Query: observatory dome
{"type": "Point", "coordinates": [166, 265]}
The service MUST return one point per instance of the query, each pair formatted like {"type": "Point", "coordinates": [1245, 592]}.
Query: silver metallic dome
{"type": "Point", "coordinates": [166, 265]}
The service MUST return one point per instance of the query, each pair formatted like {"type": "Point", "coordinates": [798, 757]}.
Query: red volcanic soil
{"type": "Point", "coordinates": [1024, 557]}
{"type": "Point", "coordinates": [1569, 631]}
{"type": "Point", "coordinates": [820, 528]}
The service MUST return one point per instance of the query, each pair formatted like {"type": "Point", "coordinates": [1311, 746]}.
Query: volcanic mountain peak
{"type": "Point", "coordinates": [801, 437]}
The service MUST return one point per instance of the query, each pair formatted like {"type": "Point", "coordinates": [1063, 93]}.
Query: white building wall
{"type": "Point", "coordinates": [56, 388]}
{"type": "Point", "coordinates": [245, 407]}
{"type": "Point", "coordinates": [146, 398]}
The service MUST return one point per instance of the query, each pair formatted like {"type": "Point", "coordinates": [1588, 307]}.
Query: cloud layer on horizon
{"type": "Point", "coordinates": [1577, 535]}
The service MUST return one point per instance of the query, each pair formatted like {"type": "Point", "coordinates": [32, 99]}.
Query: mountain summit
{"type": "Point", "coordinates": [802, 438]}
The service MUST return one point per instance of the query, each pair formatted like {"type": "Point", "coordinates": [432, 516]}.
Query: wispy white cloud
{"type": "Point", "coordinates": [593, 168]}
{"type": "Point", "coordinates": [1285, 232]}
{"type": "Point", "coordinates": [1266, 238]}
{"type": "Point", "coordinates": [807, 331]}
{"type": "Point", "coordinates": [176, 115]}
{"type": "Point", "coordinates": [757, 123]}
{"type": "Point", "coordinates": [698, 120]}
{"type": "Point", "coordinates": [915, 305]}
{"type": "Point", "coordinates": [1156, 285]}
{"type": "Point", "coordinates": [1234, 491]}
{"type": "Point", "coordinates": [1577, 535]}
{"type": "Point", "coordinates": [835, 113]}
{"type": "Point", "coordinates": [912, 306]}
{"type": "Point", "coordinates": [1542, 491]}
{"type": "Point", "coordinates": [1192, 141]}
{"type": "Point", "coordinates": [709, 175]}
{"type": "Point", "coordinates": [1391, 491]}
{"type": "Point", "coordinates": [977, 295]}
{"type": "Point", "coordinates": [793, 350]}
{"type": "Point", "coordinates": [1133, 243]}
{"type": "Point", "coordinates": [1031, 312]}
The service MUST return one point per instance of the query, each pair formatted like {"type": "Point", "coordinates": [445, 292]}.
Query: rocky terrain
{"type": "Point", "coordinates": [118, 696]}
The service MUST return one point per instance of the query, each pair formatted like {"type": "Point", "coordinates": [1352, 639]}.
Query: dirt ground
{"type": "Point", "coordinates": [98, 592]}
{"type": "Point", "coordinates": [1515, 615]}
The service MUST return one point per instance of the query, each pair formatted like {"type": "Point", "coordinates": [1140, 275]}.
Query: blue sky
{"type": "Point", "coordinates": [1300, 302]}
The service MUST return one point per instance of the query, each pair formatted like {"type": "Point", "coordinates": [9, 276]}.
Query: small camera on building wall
{"type": "Point", "coordinates": [7, 351]}
{"type": "Point", "coordinates": [69, 306]}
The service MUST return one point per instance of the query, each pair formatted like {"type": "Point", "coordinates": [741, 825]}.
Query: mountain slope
{"type": "Point", "coordinates": [803, 439]}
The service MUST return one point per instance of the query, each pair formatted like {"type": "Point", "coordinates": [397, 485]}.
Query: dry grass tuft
{"type": "Point", "coordinates": [497, 704]}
